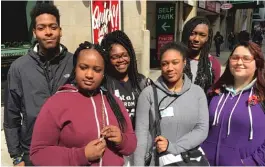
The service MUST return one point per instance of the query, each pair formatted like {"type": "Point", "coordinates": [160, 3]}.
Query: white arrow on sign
{"type": "Point", "coordinates": [164, 26]}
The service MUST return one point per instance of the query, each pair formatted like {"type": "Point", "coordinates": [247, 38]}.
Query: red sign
{"type": "Point", "coordinates": [226, 6]}
{"type": "Point", "coordinates": [162, 40]}
{"type": "Point", "coordinates": [106, 17]}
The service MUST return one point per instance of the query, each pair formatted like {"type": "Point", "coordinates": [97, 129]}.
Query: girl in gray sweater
{"type": "Point", "coordinates": [182, 105]}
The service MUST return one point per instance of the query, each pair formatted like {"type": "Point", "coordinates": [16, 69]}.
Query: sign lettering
{"type": "Point", "coordinates": [105, 18]}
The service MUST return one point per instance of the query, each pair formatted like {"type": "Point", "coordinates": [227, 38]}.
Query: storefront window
{"type": "Point", "coordinates": [16, 31]}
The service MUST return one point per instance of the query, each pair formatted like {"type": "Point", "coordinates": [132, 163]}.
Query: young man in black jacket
{"type": "Point", "coordinates": [32, 79]}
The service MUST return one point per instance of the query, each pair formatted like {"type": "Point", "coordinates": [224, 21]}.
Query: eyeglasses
{"type": "Point", "coordinates": [245, 59]}
{"type": "Point", "coordinates": [124, 56]}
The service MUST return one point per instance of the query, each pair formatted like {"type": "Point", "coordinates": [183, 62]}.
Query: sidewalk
{"type": "Point", "coordinates": [5, 158]}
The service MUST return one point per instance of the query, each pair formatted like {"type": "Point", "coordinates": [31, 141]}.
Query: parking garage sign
{"type": "Point", "coordinates": [165, 18]}
{"type": "Point", "coordinates": [165, 25]}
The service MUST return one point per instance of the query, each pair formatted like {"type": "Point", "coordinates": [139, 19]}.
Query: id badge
{"type": "Point", "coordinates": [117, 93]}
{"type": "Point", "coordinates": [168, 112]}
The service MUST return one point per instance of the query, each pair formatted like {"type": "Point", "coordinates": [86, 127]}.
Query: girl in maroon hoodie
{"type": "Point", "coordinates": [83, 124]}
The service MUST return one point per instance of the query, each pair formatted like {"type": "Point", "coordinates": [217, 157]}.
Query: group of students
{"type": "Point", "coordinates": [94, 107]}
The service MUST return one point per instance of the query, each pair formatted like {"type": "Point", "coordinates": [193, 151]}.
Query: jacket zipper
{"type": "Point", "coordinates": [46, 74]}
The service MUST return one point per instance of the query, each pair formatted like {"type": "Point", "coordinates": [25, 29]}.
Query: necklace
{"type": "Point", "coordinates": [91, 94]}
{"type": "Point", "coordinates": [103, 113]}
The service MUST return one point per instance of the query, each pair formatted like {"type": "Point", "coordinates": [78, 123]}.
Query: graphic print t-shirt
{"type": "Point", "coordinates": [124, 91]}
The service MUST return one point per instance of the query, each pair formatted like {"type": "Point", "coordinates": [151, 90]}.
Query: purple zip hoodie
{"type": "Point", "coordinates": [237, 131]}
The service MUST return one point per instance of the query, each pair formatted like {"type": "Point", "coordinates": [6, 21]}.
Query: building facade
{"type": "Point", "coordinates": [149, 24]}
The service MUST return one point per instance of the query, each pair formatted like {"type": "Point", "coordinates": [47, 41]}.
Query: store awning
{"type": "Point", "coordinates": [204, 12]}
{"type": "Point", "coordinates": [247, 4]}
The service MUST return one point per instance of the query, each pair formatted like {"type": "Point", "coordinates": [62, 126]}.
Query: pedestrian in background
{"type": "Point", "coordinates": [237, 111]}
{"type": "Point", "coordinates": [218, 40]}
{"type": "Point", "coordinates": [83, 123]}
{"type": "Point", "coordinates": [183, 126]}
{"type": "Point", "coordinates": [202, 68]}
{"type": "Point", "coordinates": [231, 40]}
{"type": "Point", "coordinates": [32, 79]}
{"type": "Point", "coordinates": [243, 36]}
{"type": "Point", "coordinates": [257, 37]}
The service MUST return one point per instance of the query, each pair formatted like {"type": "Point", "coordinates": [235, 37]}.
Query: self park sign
{"type": "Point", "coordinates": [165, 18]}
{"type": "Point", "coordinates": [165, 25]}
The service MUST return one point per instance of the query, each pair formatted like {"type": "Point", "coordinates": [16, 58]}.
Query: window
{"type": "Point", "coordinates": [256, 10]}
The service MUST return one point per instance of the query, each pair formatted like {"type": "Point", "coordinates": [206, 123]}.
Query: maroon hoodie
{"type": "Point", "coordinates": [67, 123]}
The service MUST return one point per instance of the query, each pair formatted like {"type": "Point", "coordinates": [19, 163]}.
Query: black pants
{"type": "Point", "coordinates": [217, 46]}
{"type": "Point", "coordinates": [27, 161]}
{"type": "Point", "coordinates": [231, 46]}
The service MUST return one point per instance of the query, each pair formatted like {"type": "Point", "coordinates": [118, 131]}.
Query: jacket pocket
{"type": "Point", "coordinates": [229, 156]}
{"type": "Point", "coordinates": [226, 155]}
{"type": "Point", "coordinates": [209, 149]}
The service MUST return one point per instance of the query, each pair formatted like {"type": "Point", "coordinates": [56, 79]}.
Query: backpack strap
{"type": "Point", "coordinates": [145, 82]}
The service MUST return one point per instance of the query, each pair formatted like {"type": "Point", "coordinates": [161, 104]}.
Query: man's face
{"type": "Point", "coordinates": [198, 37]}
{"type": "Point", "coordinates": [47, 31]}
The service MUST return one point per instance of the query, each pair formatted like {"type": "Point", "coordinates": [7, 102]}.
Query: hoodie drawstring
{"type": "Point", "coordinates": [216, 116]}
{"type": "Point", "coordinates": [250, 117]}
{"type": "Point", "coordinates": [215, 123]}
{"type": "Point", "coordinates": [96, 116]}
{"type": "Point", "coordinates": [98, 127]}
{"type": "Point", "coordinates": [215, 112]}
{"type": "Point", "coordinates": [230, 117]}
{"type": "Point", "coordinates": [105, 109]}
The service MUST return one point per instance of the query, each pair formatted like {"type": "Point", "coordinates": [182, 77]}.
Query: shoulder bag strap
{"type": "Point", "coordinates": [157, 122]}
{"type": "Point", "coordinates": [157, 113]}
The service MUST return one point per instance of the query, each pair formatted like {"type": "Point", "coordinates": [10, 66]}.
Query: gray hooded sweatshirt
{"type": "Point", "coordinates": [185, 122]}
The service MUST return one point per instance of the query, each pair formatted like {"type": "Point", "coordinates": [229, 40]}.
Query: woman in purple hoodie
{"type": "Point", "coordinates": [83, 123]}
{"type": "Point", "coordinates": [237, 117]}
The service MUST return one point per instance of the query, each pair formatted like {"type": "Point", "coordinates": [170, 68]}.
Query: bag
{"type": "Point", "coordinates": [192, 157]}
{"type": "Point", "coordinates": [147, 159]}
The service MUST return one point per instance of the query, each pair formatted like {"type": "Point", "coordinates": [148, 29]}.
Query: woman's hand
{"type": "Point", "coordinates": [161, 144]}
{"type": "Point", "coordinates": [95, 149]}
{"type": "Point", "coordinates": [112, 133]}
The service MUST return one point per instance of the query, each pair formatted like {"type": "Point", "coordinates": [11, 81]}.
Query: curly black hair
{"type": "Point", "coordinates": [112, 101]}
{"type": "Point", "coordinates": [119, 37]}
{"type": "Point", "coordinates": [178, 46]}
{"type": "Point", "coordinates": [44, 8]}
{"type": "Point", "coordinates": [205, 76]}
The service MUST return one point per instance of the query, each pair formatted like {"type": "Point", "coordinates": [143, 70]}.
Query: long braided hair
{"type": "Point", "coordinates": [113, 103]}
{"type": "Point", "coordinates": [205, 76]}
{"type": "Point", "coordinates": [119, 37]}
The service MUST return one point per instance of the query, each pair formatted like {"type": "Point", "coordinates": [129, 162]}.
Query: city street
{"type": "Point", "coordinates": [6, 161]}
